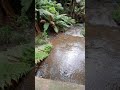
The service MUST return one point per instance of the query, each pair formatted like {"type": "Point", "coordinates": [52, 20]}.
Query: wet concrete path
{"type": "Point", "coordinates": [102, 58]}
{"type": "Point", "coordinates": [66, 61]}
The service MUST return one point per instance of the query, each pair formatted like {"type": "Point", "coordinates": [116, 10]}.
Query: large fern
{"type": "Point", "coordinates": [41, 52]}
{"type": "Point", "coordinates": [14, 66]}
{"type": "Point", "coordinates": [12, 71]}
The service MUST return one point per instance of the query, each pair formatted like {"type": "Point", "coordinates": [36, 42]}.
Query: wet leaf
{"type": "Point", "coordinates": [46, 26]}
{"type": "Point", "coordinates": [56, 29]}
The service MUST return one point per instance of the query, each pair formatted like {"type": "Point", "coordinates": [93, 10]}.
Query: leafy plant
{"type": "Point", "coordinates": [28, 56]}
{"type": "Point", "coordinates": [22, 22]}
{"type": "Point", "coordinates": [49, 12]}
{"type": "Point", "coordinates": [39, 56]}
{"type": "Point", "coordinates": [5, 34]}
{"type": "Point", "coordinates": [25, 6]}
{"type": "Point", "coordinates": [42, 52]}
{"type": "Point", "coordinates": [80, 11]}
{"type": "Point", "coordinates": [75, 9]}
{"type": "Point", "coordinates": [18, 38]}
{"type": "Point", "coordinates": [12, 71]}
{"type": "Point", "coordinates": [40, 39]}
{"type": "Point", "coordinates": [15, 66]}
{"type": "Point", "coordinates": [9, 36]}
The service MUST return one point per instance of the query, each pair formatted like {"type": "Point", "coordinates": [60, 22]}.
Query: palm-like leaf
{"type": "Point", "coordinates": [49, 10]}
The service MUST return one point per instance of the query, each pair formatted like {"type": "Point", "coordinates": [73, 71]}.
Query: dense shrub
{"type": "Point", "coordinates": [48, 15]}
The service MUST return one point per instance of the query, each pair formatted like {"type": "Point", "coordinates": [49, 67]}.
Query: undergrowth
{"type": "Point", "coordinates": [48, 13]}
{"type": "Point", "coordinates": [14, 67]}
{"type": "Point", "coordinates": [12, 71]}
{"type": "Point", "coordinates": [42, 51]}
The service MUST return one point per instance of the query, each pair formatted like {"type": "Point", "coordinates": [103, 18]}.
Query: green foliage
{"type": "Point", "coordinates": [10, 36]}
{"type": "Point", "coordinates": [42, 52]}
{"type": "Point", "coordinates": [22, 22]}
{"type": "Point", "coordinates": [12, 71]}
{"type": "Point", "coordinates": [42, 47]}
{"type": "Point", "coordinates": [80, 7]}
{"type": "Point", "coordinates": [18, 38]}
{"type": "Point", "coordinates": [46, 26]}
{"type": "Point", "coordinates": [47, 48]}
{"type": "Point", "coordinates": [25, 5]}
{"type": "Point", "coordinates": [51, 6]}
{"type": "Point", "coordinates": [40, 39]}
{"type": "Point", "coordinates": [5, 34]}
{"type": "Point", "coordinates": [63, 20]}
{"type": "Point", "coordinates": [28, 56]}
{"type": "Point", "coordinates": [75, 8]}
{"type": "Point", "coordinates": [50, 12]}
{"type": "Point", "coordinates": [116, 15]}
{"type": "Point", "coordinates": [39, 56]}
{"type": "Point", "coordinates": [14, 66]}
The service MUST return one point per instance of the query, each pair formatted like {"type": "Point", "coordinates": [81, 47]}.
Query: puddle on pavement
{"type": "Point", "coordinates": [66, 61]}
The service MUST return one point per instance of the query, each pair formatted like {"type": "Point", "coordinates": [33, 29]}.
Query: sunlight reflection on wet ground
{"type": "Point", "coordinates": [66, 61]}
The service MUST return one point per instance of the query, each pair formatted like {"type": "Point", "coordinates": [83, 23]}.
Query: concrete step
{"type": "Point", "coordinates": [46, 84]}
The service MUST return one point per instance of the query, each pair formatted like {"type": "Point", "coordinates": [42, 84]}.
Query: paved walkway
{"type": "Point", "coordinates": [45, 84]}
{"type": "Point", "coordinates": [66, 61]}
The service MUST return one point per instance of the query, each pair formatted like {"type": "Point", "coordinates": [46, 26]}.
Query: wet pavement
{"type": "Point", "coordinates": [66, 61]}
{"type": "Point", "coordinates": [102, 58]}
